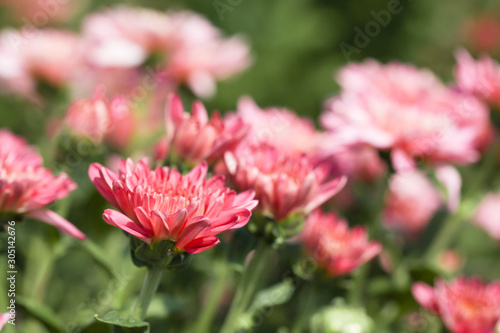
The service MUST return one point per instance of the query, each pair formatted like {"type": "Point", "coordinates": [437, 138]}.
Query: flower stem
{"type": "Point", "coordinates": [247, 286]}
{"type": "Point", "coordinates": [444, 237]}
{"type": "Point", "coordinates": [308, 301]}
{"type": "Point", "coordinates": [151, 283]}
{"type": "Point", "coordinates": [209, 310]}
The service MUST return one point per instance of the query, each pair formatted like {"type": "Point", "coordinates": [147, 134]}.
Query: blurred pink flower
{"type": "Point", "coordinates": [483, 33]}
{"type": "Point", "coordinates": [334, 246]}
{"type": "Point", "coordinates": [190, 49]}
{"type": "Point", "coordinates": [196, 137]}
{"type": "Point", "coordinates": [97, 119]}
{"type": "Point", "coordinates": [48, 55]}
{"type": "Point", "coordinates": [199, 55]}
{"type": "Point", "coordinates": [410, 202]}
{"type": "Point", "coordinates": [162, 204]}
{"type": "Point", "coordinates": [358, 163]}
{"type": "Point", "coordinates": [284, 184]}
{"type": "Point", "coordinates": [280, 127]}
{"type": "Point", "coordinates": [488, 215]}
{"type": "Point", "coordinates": [125, 37]}
{"type": "Point", "coordinates": [26, 187]}
{"type": "Point", "coordinates": [480, 77]}
{"type": "Point", "coordinates": [450, 261]}
{"type": "Point", "coordinates": [4, 318]}
{"type": "Point", "coordinates": [466, 305]}
{"type": "Point", "coordinates": [409, 111]}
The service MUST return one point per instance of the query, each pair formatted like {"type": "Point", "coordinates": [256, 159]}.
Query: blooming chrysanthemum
{"type": "Point", "coordinates": [196, 137]}
{"type": "Point", "coordinates": [26, 187]}
{"type": "Point", "coordinates": [190, 48]}
{"type": "Point", "coordinates": [163, 204]}
{"type": "Point", "coordinates": [481, 77]}
{"type": "Point", "coordinates": [283, 184]}
{"type": "Point", "coordinates": [410, 202]}
{"type": "Point", "coordinates": [98, 119]}
{"type": "Point", "coordinates": [48, 55]}
{"type": "Point", "coordinates": [408, 111]}
{"type": "Point", "coordinates": [279, 127]}
{"type": "Point", "coordinates": [334, 246]}
{"type": "Point", "coordinates": [488, 215]}
{"type": "Point", "coordinates": [466, 305]}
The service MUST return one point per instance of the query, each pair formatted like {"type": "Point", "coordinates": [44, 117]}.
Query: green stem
{"type": "Point", "coordinates": [151, 283]}
{"type": "Point", "coordinates": [444, 237]}
{"type": "Point", "coordinates": [247, 286]}
{"type": "Point", "coordinates": [209, 309]}
{"type": "Point", "coordinates": [355, 293]}
{"type": "Point", "coordinates": [308, 302]}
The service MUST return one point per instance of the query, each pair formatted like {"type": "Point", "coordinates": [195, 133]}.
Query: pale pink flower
{"type": "Point", "coordinates": [196, 137]}
{"type": "Point", "coordinates": [279, 127]}
{"type": "Point", "coordinates": [358, 163]}
{"type": "Point", "coordinates": [200, 55]}
{"type": "Point", "coordinates": [480, 77]}
{"type": "Point", "coordinates": [26, 187]}
{"type": "Point", "coordinates": [410, 202]}
{"type": "Point", "coordinates": [334, 246]}
{"type": "Point", "coordinates": [450, 261]}
{"type": "Point", "coordinates": [408, 111]}
{"type": "Point", "coordinates": [48, 55]}
{"type": "Point", "coordinates": [4, 319]}
{"type": "Point", "coordinates": [466, 305]}
{"type": "Point", "coordinates": [284, 184]}
{"type": "Point", "coordinates": [163, 204]}
{"type": "Point", "coordinates": [488, 215]}
{"type": "Point", "coordinates": [98, 119]}
{"type": "Point", "coordinates": [125, 37]}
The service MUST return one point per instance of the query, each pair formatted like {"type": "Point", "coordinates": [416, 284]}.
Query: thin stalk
{"type": "Point", "coordinates": [308, 301]}
{"type": "Point", "coordinates": [209, 309]}
{"type": "Point", "coordinates": [247, 286]}
{"type": "Point", "coordinates": [151, 283]}
{"type": "Point", "coordinates": [355, 293]}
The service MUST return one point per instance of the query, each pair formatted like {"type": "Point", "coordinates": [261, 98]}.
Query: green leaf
{"type": "Point", "coordinates": [123, 325]}
{"type": "Point", "coordinates": [42, 313]}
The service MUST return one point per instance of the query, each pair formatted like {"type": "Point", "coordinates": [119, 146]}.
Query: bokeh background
{"type": "Point", "coordinates": [296, 50]}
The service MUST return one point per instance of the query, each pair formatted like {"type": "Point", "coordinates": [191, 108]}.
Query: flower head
{"type": "Point", "coordinates": [408, 111]}
{"type": "Point", "coordinates": [4, 318]}
{"type": "Point", "coordinates": [480, 77]}
{"type": "Point", "coordinates": [283, 184]}
{"type": "Point", "coordinates": [163, 204]}
{"type": "Point", "coordinates": [410, 202]}
{"type": "Point", "coordinates": [98, 119]}
{"type": "Point", "coordinates": [465, 305]}
{"type": "Point", "coordinates": [26, 187]}
{"type": "Point", "coordinates": [195, 137]}
{"type": "Point", "coordinates": [334, 246]}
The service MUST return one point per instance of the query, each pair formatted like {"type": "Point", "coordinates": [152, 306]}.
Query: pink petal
{"type": "Point", "coordinates": [424, 294]}
{"type": "Point", "coordinates": [452, 181]}
{"type": "Point", "coordinates": [121, 221]}
{"type": "Point", "coordinates": [57, 221]}
{"type": "Point", "coordinates": [191, 230]}
{"type": "Point", "coordinates": [326, 191]}
{"type": "Point", "coordinates": [201, 244]}
{"type": "Point", "coordinates": [402, 161]}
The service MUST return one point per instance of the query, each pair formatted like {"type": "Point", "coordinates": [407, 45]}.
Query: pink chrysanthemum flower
{"type": "Point", "coordinates": [410, 202]}
{"type": "Point", "coordinates": [98, 119]}
{"type": "Point", "coordinates": [283, 184]}
{"type": "Point", "coordinates": [196, 137]}
{"type": "Point", "coordinates": [408, 111]}
{"type": "Point", "coordinates": [480, 77]}
{"type": "Point", "coordinates": [488, 215]}
{"type": "Point", "coordinates": [465, 305]}
{"type": "Point", "coordinates": [280, 127]}
{"type": "Point", "coordinates": [48, 55]}
{"type": "Point", "coordinates": [334, 246]}
{"type": "Point", "coordinates": [163, 204]}
{"type": "Point", "coordinates": [26, 187]}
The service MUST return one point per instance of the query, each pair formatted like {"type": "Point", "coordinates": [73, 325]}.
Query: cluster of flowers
{"type": "Point", "coordinates": [122, 48]}
{"type": "Point", "coordinates": [283, 167]}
